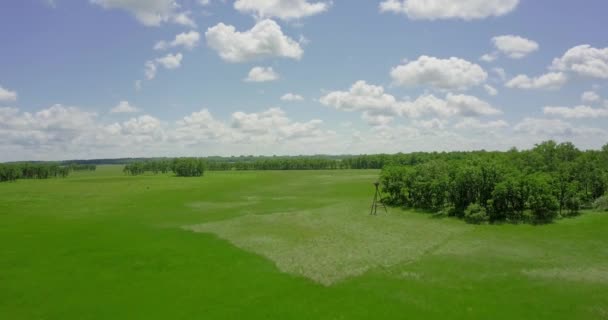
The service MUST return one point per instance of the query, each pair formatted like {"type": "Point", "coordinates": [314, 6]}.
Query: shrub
{"type": "Point", "coordinates": [476, 214]}
{"type": "Point", "coordinates": [601, 203]}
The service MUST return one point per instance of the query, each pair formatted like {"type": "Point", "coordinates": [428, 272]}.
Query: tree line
{"type": "Point", "coordinates": [552, 180]}
{"type": "Point", "coordinates": [26, 170]}
{"type": "Point", "coordinates": [182, 167]}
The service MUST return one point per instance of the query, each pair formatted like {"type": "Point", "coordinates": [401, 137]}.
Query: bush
{"type": "Point", "coordinates": [601, 203]}
{"type": "Point", "coordinates": [476, 214]}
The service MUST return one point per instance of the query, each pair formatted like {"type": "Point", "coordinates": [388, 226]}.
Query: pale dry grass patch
{"type": "Point", "coordinates": [330, 244]}
{"type": "Point", "coordinates": [594, 274]}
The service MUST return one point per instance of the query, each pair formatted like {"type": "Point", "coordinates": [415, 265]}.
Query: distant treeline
{"type": "Point", "coordinates": [537, 185]}
{"type": "Point", "coordinates": [182, 167]}
{"type": "Point", "coordinates": [264, 163]}
{"type": "Point", "coordinates": [38, 170]}
{"type": "Point", "coordinates": [216, 163]}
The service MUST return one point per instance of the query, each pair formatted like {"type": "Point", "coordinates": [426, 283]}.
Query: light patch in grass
{"type": "Point", "coordinates": [330, 244]}
{"type": "Point", "coordinates": [598, 274]}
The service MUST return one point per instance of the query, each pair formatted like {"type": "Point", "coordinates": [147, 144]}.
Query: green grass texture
{"type": "Point", "coordinates": [279, 245]}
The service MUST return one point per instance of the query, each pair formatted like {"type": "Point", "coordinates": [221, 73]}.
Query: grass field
{"type": "Point", "coordinates": [279, 245]}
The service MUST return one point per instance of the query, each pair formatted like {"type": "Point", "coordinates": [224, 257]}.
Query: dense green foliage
{"type": "Point", "coordinates": [182, 167]}
{"type": "Point", "coordinates": [601, 203]}
{"type": "Point", "coordinates": [536, 185]}
{"type": "Point", "coordinates": [25, 170]}
{"type": "Point", "coordinates": [103, 245]}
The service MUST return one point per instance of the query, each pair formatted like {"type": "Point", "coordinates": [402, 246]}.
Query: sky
{"type": "Point", "coordinates": [145, 78]}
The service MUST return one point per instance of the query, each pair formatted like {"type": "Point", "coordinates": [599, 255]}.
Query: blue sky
{"type": "Point", "coordinates": [126, 78]}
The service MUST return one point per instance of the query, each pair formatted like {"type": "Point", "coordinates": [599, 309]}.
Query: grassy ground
{"type": "Point", "coordinates": [284, 245]}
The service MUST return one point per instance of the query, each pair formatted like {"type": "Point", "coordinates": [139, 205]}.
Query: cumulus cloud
{"type": "Point", "coordinates": [200, 127]}
{"type": "Point", "coordinates": [444, 74]}
{"type": "Point", "coordinates": [170, 61]}
{"type": "Point", "coordinates": [7, 95]}
{"type": "Point", "coordinates": [578, 112]}
{"type": "Point", "coordinates": [57, 125]}
{"type": "Point", "coordinates": [292, 97]}
{"type": "Point", "coordinates": [538, 128]}
{"type": "Point", "coordinates": [150, 13]}
{"type": "Point", "coordinates": [469, 106]}
{"type": "Point", "coordinates": [264, 40]}
{"type": "Point", "coordinates": [261, 74]}
{"type": "Point", "coordinates": [273, 124]}
{"type": "Point", "coordinates": [124, 107]}
{"type": "Point", "coordinates": [362, 97]}
{"type": "Point", "coordinates": [473, 123]}
{"type": "Point", "coordinates": [188, 40]}
{"type": "Point", "coordinates": [514, 47]}
{"type": "Point", "coordinates": [149, 70]}
{"type": "Point", "coordinates": [184, 19]}
{"type": "Point", "coordinates": [590, 97]}
{"type": "Point", "coordinates": [380, 108]}
{"type": "Point", "coordinates": [549, 81]}
{"type": "Point", "coordinates": [282, 9]}
{"type": "Point", "coordinates": [449, 9]}
{"type": "Point", "coordinates": [61, 132]}
{"type": "Point", "coordinates": [489, 57]}
{"type": "Point", "coordinates": [584, 60]}
{"type": "Point", "coordinates": [490, 90]}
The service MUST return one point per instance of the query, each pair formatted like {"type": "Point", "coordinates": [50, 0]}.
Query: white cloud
{"type": "Point", "coordinates": [273, 124]}
{"type": "Point", "coordinates": [7, 95]}
{"type": "Point", "coordinates": [445, 74]}
{"type": "Point", "coordinates": [60, 132]}
{"type": "Point", "coordinates": [262, 74]}
{"type": "Point", "coordinates": [150, 70]}
{"type": "Point", "coordinates": [362, 97]}
{"type": "Point", "coordinates": [292, 97]}
{"type": "Point", "coordinates": [489, 57]}
{"type": "Point", "coordinates": [584, 60]}
{"type": "Point", "coordinates": [187, 40]}
{"type": "Point", "coordinates": [170, 61]}
{"type": "Point", "coordinates": [124, 107]}
{"type": "Point", "coordinates": [472, 123]}
{"type": "Point", "coordinates": [537, 129]}
{"type": "Point", "coordinates": [469, 106]}
{"type": "Point", "coordinates": [264, 40]}
{"type": "Point", "coordinates": [449, 9]}
{"type": "Point", "coordinates": [184, 19]}
{"type": "Point", "coordinates": [282, 9]}
{"type": "Point", "coordinates": [490, 90]}
{"type": "Point", "coordinates": [578, 112]}
{"type": "Point", "coordinates": [514, 47]}
{"type": "Point", "coordinates": [149, 13]}
{"type": "Point", "coordinates": [380, 108]}
{"type": "Point", "coordinates": [590, 97]}
{"type": "Point", "coordinates": [432, 124]}
{"type": "Point", "coordinates": [141, 125]}
{"type": "Point", "coordinates": [200, 127]}
{"type": "Point", "coordinates": [376, 120]}
{"type": "Point", "coordinates": [549, 81]}
{"type": "Point", "coordinates": [55, 125]}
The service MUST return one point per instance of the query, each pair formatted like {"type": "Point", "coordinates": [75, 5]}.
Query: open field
{"type": "Point", "coordinates": [281, 245]}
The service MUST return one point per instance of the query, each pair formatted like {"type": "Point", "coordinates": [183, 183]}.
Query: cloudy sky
{"type": "Point", "coordinates": [129, 78]}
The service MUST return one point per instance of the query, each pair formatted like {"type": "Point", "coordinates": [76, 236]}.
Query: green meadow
{"type": "Point", "coordinates": [279, 245]}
